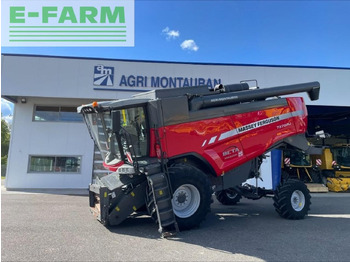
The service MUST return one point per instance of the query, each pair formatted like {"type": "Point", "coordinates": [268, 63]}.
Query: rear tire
{"type": "Point", "coordinates": [292, 199]}
{"type": "Point", "coordinates": [228, 197]}
{"type": "Point", "coordinates": [191, 195]}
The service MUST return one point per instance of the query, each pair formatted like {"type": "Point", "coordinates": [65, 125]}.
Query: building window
{"type": "Point", "coordinates": [57, 113]}
{"type": "Point", "coordinates": [54, 164]}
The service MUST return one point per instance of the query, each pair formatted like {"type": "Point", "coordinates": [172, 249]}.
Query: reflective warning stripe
{"type": "Point", "coordinates": [128, 155]}
{"type": "Point", "coordinates": [228, 134]}
{"type": "Point", "coordinates": [212, 140]}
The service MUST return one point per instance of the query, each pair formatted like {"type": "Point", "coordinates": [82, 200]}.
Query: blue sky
{"type": "Point", "coordinates": [303, 33]}
{"type": "Point", "coordinates": [307, 33]}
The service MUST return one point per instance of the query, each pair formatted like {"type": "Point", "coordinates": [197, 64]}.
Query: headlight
{"type": "Point", "coordinates": [126, 169]}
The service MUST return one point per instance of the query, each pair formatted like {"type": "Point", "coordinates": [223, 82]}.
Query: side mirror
{"type": "Point", "coordinates": [320, 134]}
{"type": "Point", "coordinates": [116, 121]}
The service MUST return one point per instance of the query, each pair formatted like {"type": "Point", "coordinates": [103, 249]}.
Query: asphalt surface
{"type": "Point", "coordinates": [52, 227]}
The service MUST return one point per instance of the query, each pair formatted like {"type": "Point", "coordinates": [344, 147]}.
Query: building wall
{"type": "Point", "coordinates": [74, 78]}
{"type": "Point", "coordinates": [71, 81]}
{"type": "Point", "coordinates": [30, 137]}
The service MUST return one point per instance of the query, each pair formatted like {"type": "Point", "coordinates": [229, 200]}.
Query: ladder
{"type": "Point", "coordinates": [159, 202]}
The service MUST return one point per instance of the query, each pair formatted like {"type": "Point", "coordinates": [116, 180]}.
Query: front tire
{"type": "Point", "coordinates": [192, 195]}
{"type": "Point", "coordinates": [292, 199]}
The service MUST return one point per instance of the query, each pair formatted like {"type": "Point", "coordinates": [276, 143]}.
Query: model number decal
{"type": "Point", "coordinates": [232, 152]}
{"type": "Point", "coordinates": [284, 125]}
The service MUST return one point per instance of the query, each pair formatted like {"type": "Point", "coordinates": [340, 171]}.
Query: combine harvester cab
{"type": "Point", "coordinates": [170, 149]}
{"type": "Point", "coordinates": [299, 165]}
{"type": "Point", "coordinates": [335, 167]}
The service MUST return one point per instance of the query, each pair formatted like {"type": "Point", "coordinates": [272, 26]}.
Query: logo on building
{"type": "Point", "coordinates": [103, 75]}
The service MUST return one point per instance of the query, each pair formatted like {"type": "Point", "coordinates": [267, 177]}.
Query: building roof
{"type": "Point", "coordinates": [176, 62]}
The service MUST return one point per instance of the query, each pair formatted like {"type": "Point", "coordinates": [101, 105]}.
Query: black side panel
{"type": "Point", "coordinates": [175, 110]}
{"type": "Point", "coordinates": [300, 142]}
{"type": "Point", "coordinates": [238, 175]}
{"type": "Point", "coordinates": [154, 114]}
{"type": "Point", "coordinates": [127, 203]}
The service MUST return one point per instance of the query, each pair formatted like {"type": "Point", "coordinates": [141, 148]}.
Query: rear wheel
{"type": "Point", "coordinates": [292, 199]}
{"type": "Point", "coordinates": [191, 197]}
{"type": "Point", "coordinates": [228, 197]}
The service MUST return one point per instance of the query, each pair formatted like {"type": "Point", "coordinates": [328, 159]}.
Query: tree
{"type": "Point", "coordinates": [5, 141]}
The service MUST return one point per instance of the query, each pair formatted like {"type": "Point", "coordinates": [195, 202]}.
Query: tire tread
{"type": "Point", "coordinates": [282, 199]}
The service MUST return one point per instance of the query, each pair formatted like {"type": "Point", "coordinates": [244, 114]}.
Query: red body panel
{"type": "Point", "coordinates": [229, 141]}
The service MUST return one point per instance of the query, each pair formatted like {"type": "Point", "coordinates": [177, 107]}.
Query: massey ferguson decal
{"type": "Point", "coordinates": [268, 121]}
{"type": "Point", "coordinates": [258, 124]}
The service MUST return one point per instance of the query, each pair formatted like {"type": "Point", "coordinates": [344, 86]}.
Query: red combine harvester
{"type": "Point", "coordinates": [170, 149]}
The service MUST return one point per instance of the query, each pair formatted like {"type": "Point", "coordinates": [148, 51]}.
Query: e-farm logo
{"type": "Point", "coordinates": [67, 23]}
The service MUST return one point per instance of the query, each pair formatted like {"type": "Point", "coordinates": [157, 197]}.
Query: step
{"type": "Point", "coordinates": [317, 188]}
{"type": "Point", "coordinates": [161, 194]}
{"type": "Point", "coordinates": [158, 179]}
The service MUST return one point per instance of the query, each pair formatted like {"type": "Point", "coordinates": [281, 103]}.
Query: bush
{"type": "Point", "coordinates": [5, 143]}
{"type": "Point", "coordinates": [4, 160]}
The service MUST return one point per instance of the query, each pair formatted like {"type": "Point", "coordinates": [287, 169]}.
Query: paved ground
{"type": "Point", "coordinates": [51, 227]}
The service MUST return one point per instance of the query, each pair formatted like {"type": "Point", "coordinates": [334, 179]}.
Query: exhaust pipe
{"type": "Point", "coordinates": [234, 96]}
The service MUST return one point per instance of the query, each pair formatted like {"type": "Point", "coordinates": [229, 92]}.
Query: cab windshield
{"type": "Point", "coordinates": [132, 137]}
{"type": "Point", "coordinates": [342, 156]}
{"type": "Point", "coordinates": [297, 158]}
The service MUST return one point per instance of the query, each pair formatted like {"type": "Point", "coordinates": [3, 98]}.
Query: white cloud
{"type": "Point", "coordinates": [189, 45]}
{"type": "Point", "coordinates": [170, 34]}
{"type": "Point", "coordinates": [6, 107]}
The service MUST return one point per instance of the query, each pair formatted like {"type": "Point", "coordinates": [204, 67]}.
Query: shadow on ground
{"type": "Point", "coordinates": [254, 229]}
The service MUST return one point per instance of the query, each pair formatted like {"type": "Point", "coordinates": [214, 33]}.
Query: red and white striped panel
{"type": "Point", "coordinates": [318, 162]}
{"type": "Point", "coordinates": [287, 161]}
{"type": "Point", "coordinates": [128, 155]}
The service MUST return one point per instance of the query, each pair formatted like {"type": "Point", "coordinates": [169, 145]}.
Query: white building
{"type": "Point", "coordinates": [50, 145]}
